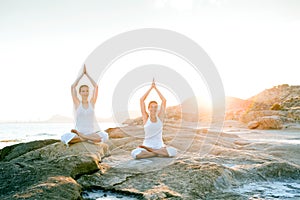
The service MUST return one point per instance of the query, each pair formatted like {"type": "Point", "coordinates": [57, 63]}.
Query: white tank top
{"type": "Point", "coordinates": [85, 119]}
{"type": "Point", "coordinates": [153, 134]}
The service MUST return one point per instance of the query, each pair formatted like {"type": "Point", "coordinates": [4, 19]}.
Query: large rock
{"type": "Point", "coordinates": [254, 115]}
{"type": "Point", "coordinates": [209, 164]}
{"type": "Point", "coordinates": [11, 152]}
{"type": "Point", "coordinates": [185, 177]}
{"type": "Point", "coordinates": [47, 169]}
{"type": "Point", "coordinates": [268, 122]}
{"type": "Point", "coordinates": [152, 178]}
{"type": "Point", "coordinates": [115, 133]}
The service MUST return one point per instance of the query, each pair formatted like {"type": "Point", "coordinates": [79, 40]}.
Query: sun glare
{"type": "Point", "coordinates": [119, 69]}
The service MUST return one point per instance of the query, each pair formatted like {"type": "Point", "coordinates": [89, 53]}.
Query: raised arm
{"type": "Point", "coordinates": [143, 106]}
{"type": "Point", "coordinates": [95, 93]}
{"type": "Point", "coordinates": [161, 113]}
{"type": "Point", "coordinates": [73, 90]}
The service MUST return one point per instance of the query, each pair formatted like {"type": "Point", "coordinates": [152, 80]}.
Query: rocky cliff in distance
{"type": "Point", "coordinates": [285, 95]}
{"type": "Point", "coordinates": [270, 109]}
{"type": "Point", "coordinates": [282, 101]}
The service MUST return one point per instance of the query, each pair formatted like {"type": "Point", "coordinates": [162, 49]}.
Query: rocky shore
{"type": "Point", "coordinates": [47, 169]}
{"type": "Point", "coordinates": [209, 165]}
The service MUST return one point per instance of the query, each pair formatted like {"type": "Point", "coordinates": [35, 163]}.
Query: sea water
{"type": "Point", "coordinates": [14, 133]}
{"type": "Point", "coordinates": [108, 195]}
{"type": "Point", "coordinates": [289, 189]}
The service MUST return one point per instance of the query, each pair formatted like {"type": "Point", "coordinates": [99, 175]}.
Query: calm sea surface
{"type": "Point", "coordinates": [13, 133]}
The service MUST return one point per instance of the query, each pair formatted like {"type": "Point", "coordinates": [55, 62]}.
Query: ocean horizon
{"type": "Point", "coordinates": [13, 133]}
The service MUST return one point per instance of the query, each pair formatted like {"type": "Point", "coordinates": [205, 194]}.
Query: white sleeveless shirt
{"type": "Point", "coordinates": [85, 119]}
{"type": "Point", "coordinates": [153, 134]}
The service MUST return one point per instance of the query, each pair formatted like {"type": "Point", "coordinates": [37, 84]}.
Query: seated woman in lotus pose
{"type": "Point", "coordinates": [87, 128]}
{"type": "Point", "coordinates": [153, 144]}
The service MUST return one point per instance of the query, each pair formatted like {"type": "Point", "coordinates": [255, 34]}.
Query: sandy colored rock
{"type": "Point", "coordinates": [115, 133]}
{"type": "Point", "coordinates": [210, 162]}
{"type": "Point", "coordinates": [254, 115]}
{"type": "Point", "coordinates": [186, 178]}
{"type": "Point", "coordinates": [253, 124]}
{"type": "Point", "coordinates": [270, 122]}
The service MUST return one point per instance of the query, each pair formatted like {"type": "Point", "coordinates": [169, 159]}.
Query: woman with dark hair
{"type": "Point", "coordinates": [153, 144]}
{"type": "Point", "coordinates": [87, 128]}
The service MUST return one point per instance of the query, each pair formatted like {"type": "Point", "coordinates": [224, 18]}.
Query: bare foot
{"type": "Point", "coordinates": [74, 131]}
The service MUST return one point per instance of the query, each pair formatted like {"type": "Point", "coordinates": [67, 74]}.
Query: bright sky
{"type": "Point", "coordinates": [43, 44]}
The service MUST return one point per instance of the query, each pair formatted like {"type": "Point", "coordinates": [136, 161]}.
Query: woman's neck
{"type": "Point", "coordinates": [152, 116]}
{"type": "Point", "coordinates": [84, 101]}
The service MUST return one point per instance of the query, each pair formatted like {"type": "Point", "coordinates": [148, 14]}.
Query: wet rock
{"type": "Point", "coordinates": [280, 170]}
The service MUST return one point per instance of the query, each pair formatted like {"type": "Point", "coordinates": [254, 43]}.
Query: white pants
{"type": "Point", "coordinates": [67, 137]}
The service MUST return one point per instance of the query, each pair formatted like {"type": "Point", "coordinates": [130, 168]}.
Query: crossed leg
{"type": "Point", "coordinates": [145, 154]}
{"type": "Point", "coordinates": [94, 137]}
{"type": "Point", "coordinates": [76, 139]}
{"type": "Point", "coordinates": [150, 152]}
